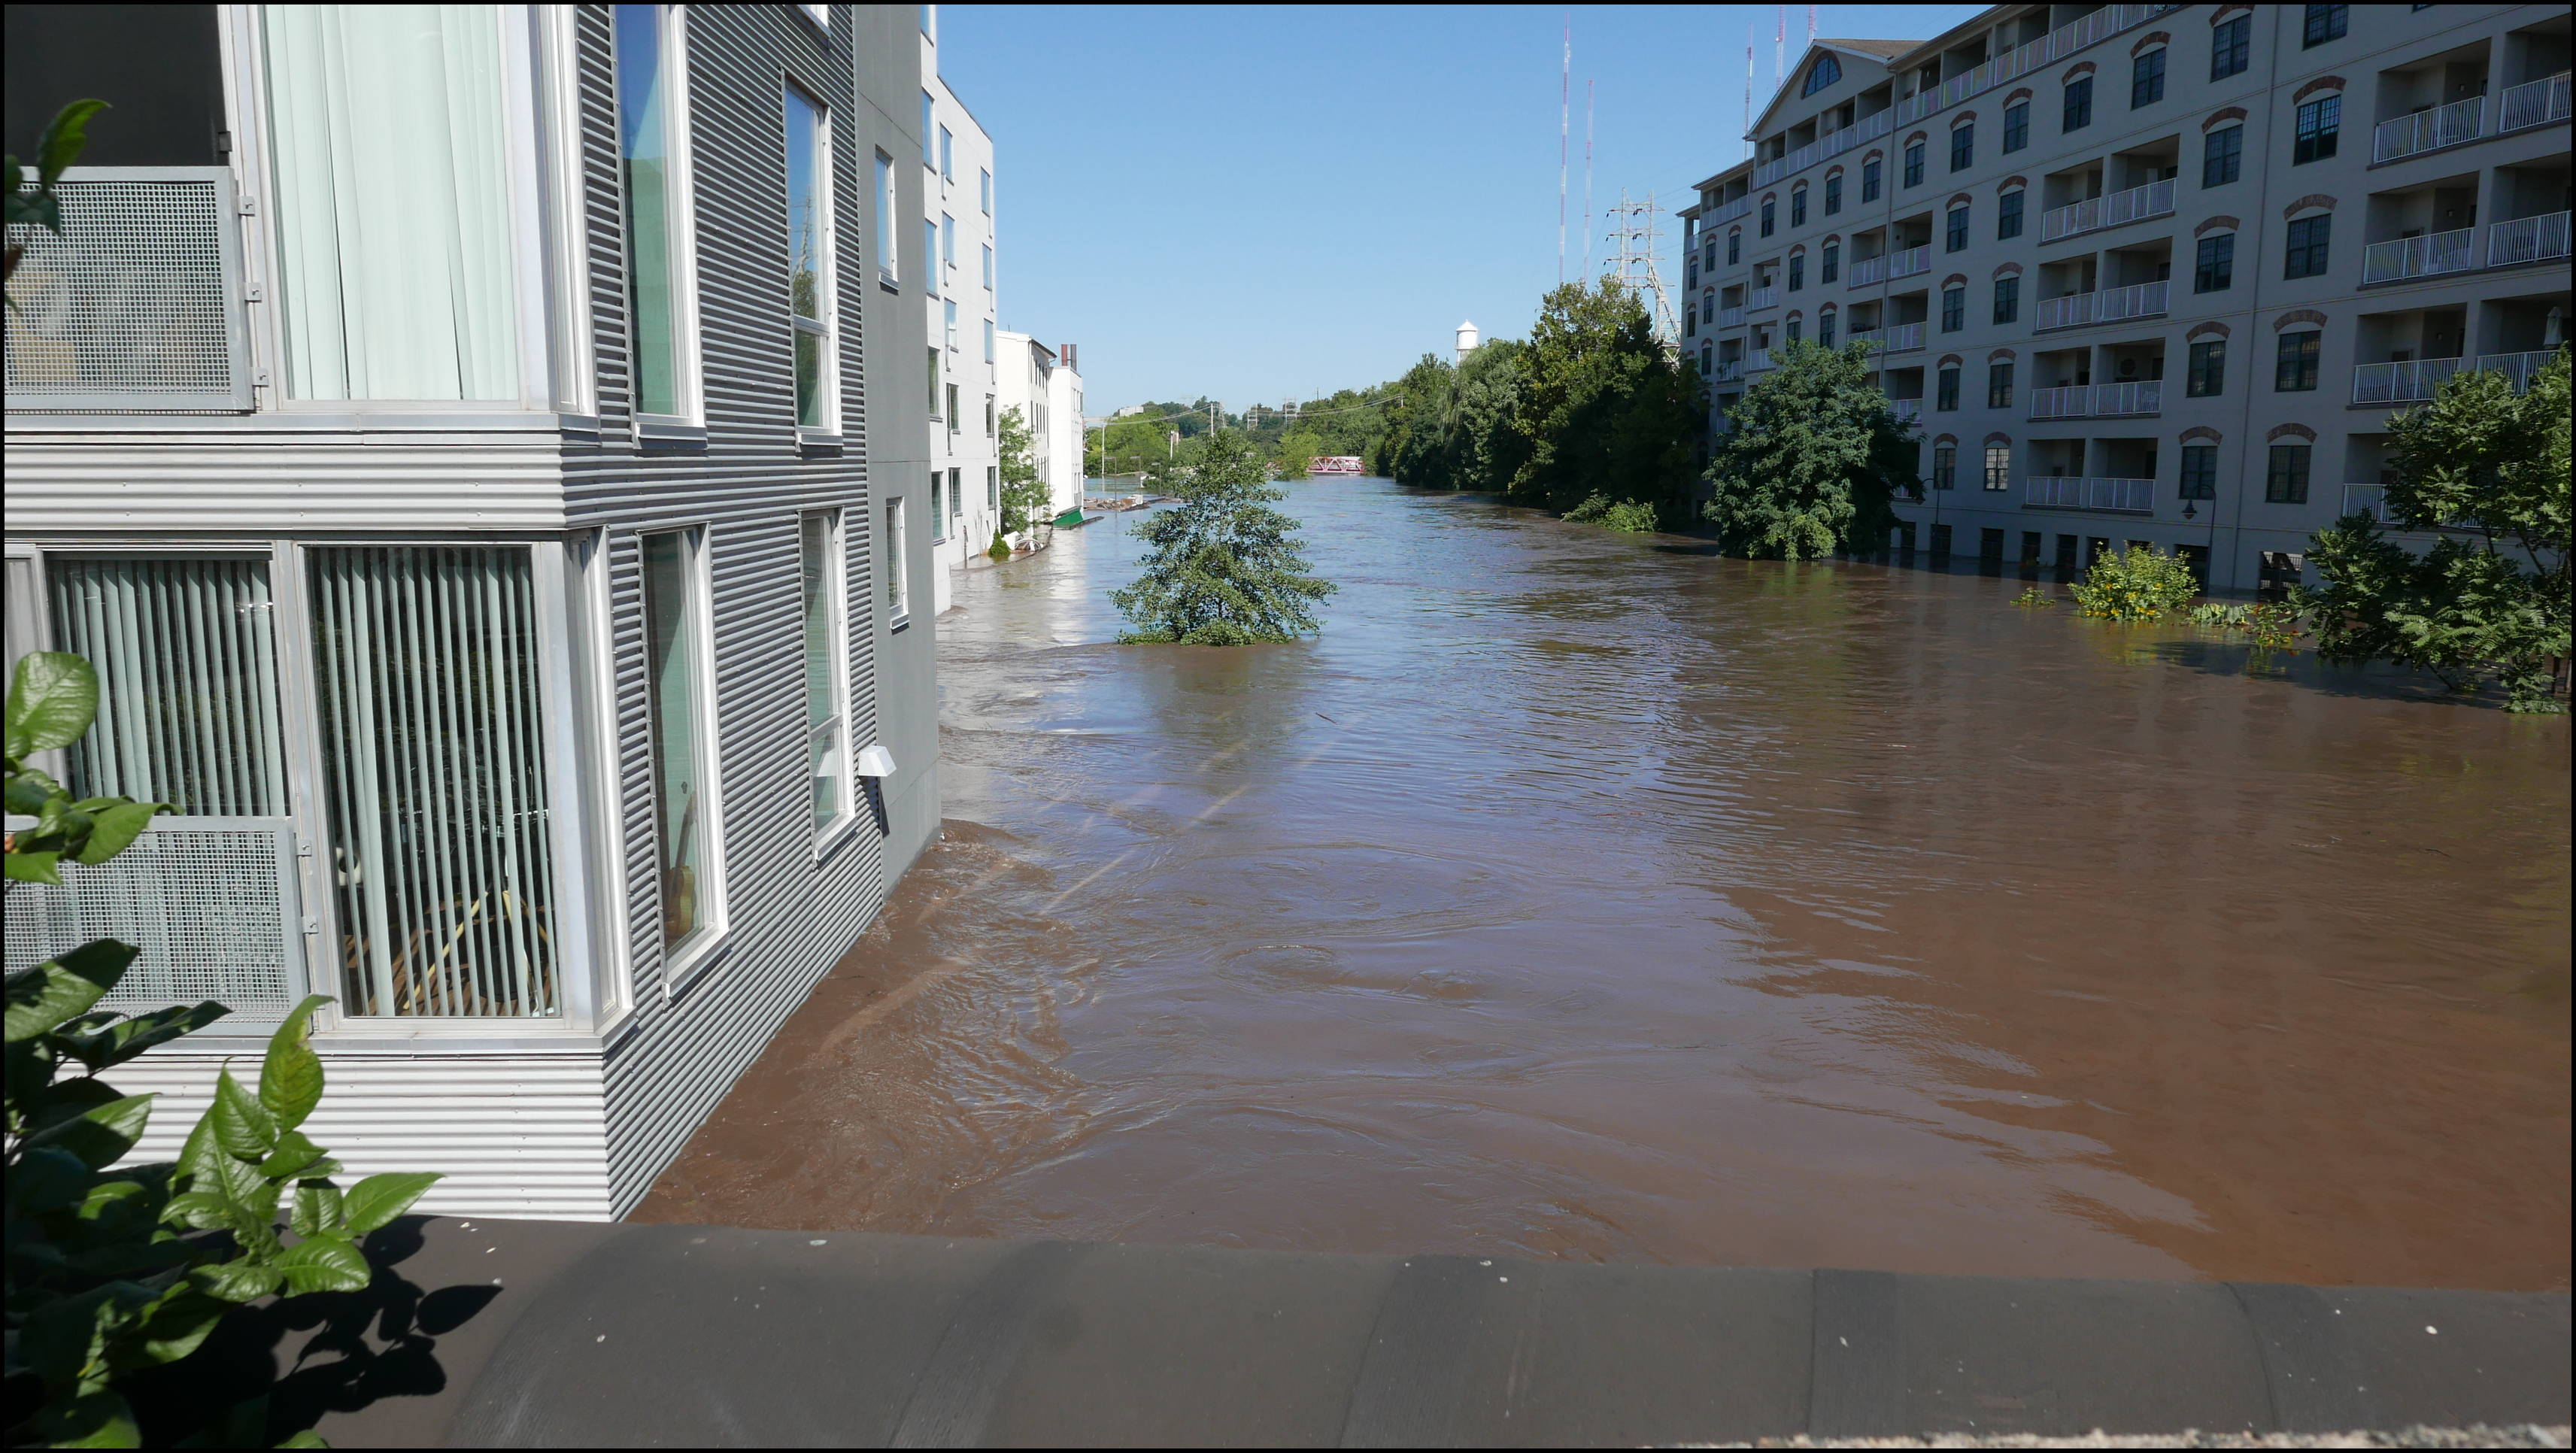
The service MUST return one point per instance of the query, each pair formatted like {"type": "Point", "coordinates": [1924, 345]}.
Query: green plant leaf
{"type": "Point", "coordinates": [64, 137]}
{"type": "Point", "coordinates": [198, 1211]}
{"type": "Point", "coordinates": [316, 1209]}
{"type": "Point", "coordinates": [101, 1135]}
{"type": "Point", "coordinates": [28, 866]}
{"type": "Point", "coordinates": [113, 1044]}
{"type": "Point", "coordinates": [52, 697]}
{"type": "Point", "coordinates": [113, 829]}
{"type": "Point", "coordinates": [290, 1078]}
{"type": "Point", "coordinates": [178, 1325]}
{"type": "Point", "coordinates": [380, 1198]}
{"type": "Point", "coordinates": [97, 1418]}
{"type": "Point", "coordinates": [61, 988]}
{"type": "Point", "coordinates": [243, 1279]}
{"type": "Point", "coordinates": [47, 1179]}
{"type": "Point", "coordinates": [242, 1126]}
{"type": "Point", "coordinates": [293, 1157]}
{"type": "Point", "coordinates": [324, 1264]}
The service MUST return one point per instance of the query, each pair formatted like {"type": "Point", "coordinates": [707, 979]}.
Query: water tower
{"type": "Point", "coordinates": [1466, 340]}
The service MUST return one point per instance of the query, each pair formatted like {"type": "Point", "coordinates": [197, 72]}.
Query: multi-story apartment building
{"type": "Point", "coordinates": [448, 430]}
{"type": "Point", "coordinates": [1045, 385]}
{"type": "Point", "coordinates": [2152, 272]}
{"type": "Point", "coordinates": [965, 346]}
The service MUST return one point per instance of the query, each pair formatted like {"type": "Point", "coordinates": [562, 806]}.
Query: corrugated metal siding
{"type": "Point", "coordinates": [571, 1135]}
{"type": "Point", "coordinates": [517, 1135]}
{"type": "Point", "coordinates": [789, 916]}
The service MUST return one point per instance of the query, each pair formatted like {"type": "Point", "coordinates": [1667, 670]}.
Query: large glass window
{"type": "Point", "coordinates": [1963, 146]}
{"type": "Point", "coordinates": [2200, 471]}
{"type": "Point", "coordinates": [2147, 79]}
{"type": "Point", "coordinates": [1770, 214]}
{"type": "Point", "coordinates": [428, 693]}
{"type": "Point", "coordinates": [887, 207]}
{"type": "Point", "coordinates": [1914, 163]}
{"type": "Point", "coordinates": [2007, 299]}
{"type": "Point", "coordinates": [2319, 125]}
{"type": "Point", "coordinates": [2306, 252]}
{"type": "Point", "coordinates": [1945, 395]}
{"type": "Point", "coordinates": [826, 674]}
{"type": "Point", "coordinates": [809, 227]}
{"type": "Point", "coordinates": [1798, 205]}
{"type": "Point", "coordinates": [644, 156]}
{"type": "Point", "coordinates": [1999, 463]}
{"type": "Point", "coordinates": [1954, 308]}
{"type": "Point", "coordinates": [1833, 194]}
{"type": "Point", "coordinates": [2008, 209]}
{"type": "Point", "coordinates": [984, 190]}
{"type": "Point", "coordinates": [1830, 260]}
{"type": "Point", "coordinates": [2206, 373]}
{"type": "Point", "coordinates": [2215, 269]}
{"type": "Point", "coordinates": [1870, 173]}
{"type": "Point", "coordinates": [389, 156]}
{"type": "Point", "coordinates": [1999, 385]}
{"type": "Point", "coordinates": [2286, 481]}
{"type": "Point", "coordinates": [2324, 23]}
{"type": "Point", "coordinates": [1823, 73]}
{"type": "Point", "coordinates": [676, 681]}
{"type": "Point", "coordinates": [1945, 466]}
{"type": "Point", "coordinates": [187, 681]}
{"type": "Point", "coordinates": [1955, 238]}
{"type": "Point", "coordinates": [2294, 366]}
{"type": "Point", "coordinates": [2016, 126]}
{"type": "Point", "coordinates": [1797, 271]}
{"type": "Point", "coordinates": [2222, 156]}
{"type": "Point", "coordinates": [2078, 111]}
{"type": "Point", "coordinates": [2230, 46]}
{"type": "Point", "coordinates": [929, 133]}
{"type": "Point", "coordinates": [947, 155]}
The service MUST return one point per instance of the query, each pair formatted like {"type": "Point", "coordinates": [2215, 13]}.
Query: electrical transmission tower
{"type": "Point", "coordinates": [1639, 241]}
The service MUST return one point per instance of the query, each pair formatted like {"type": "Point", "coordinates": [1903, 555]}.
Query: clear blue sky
{"type": "Point", "coordinates": [1262, 203]}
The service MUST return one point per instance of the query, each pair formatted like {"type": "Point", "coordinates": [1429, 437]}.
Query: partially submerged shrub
{"type": "Point", "coordinates": [2136, 584]}
{"type": "Point", "coordinates": [1626, 515]}
{"type": "Point", "coordinates": [2033, 597]}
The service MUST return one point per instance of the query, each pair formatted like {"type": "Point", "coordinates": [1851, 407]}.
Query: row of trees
{"type": "Point", "coordinates": [1347, 422]}
{"type": "Point", "coordinates": [1591, 414]}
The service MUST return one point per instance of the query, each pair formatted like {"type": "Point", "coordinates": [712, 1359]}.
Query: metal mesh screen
{"type": "Point", "coordinates": [135, 304]}
{"type": "Point", "coordinates": [208, 908]}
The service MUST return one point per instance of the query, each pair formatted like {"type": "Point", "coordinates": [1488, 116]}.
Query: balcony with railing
{"type": "Point", "coordinates": [1764, 298]}
{"type": "Point", "coordinates": [2372, 500]}
{"type": "Point", "coordinates": [2533, 103]}
{"type": "Point", "coordinates": [1730, 317]}
{"type": "Point", "coordinates": [1757, 360]}
{"type": "Point", "coordinates": [2429, 130]}
{"type": "Point", "coordinates": [1907, 411]}
{"type": "Point", "coordinates": [2527, 239]}
{"type": "Point", "coordinates": [2414, 380]}
{"type": "Point", "coordinates": [1909, 262]}
{"type": "Point", "coordinates": [2065, 40]}
{"type": "Point", "coordinates": [2071, 492]}
{"type": "Point", "coordinates": [2430, 255]}
{"type": "Point", "coordinates": [1903, 337]}
{"type": "Point", "coordinates": [1739, 208]}
{"type": "Point", "coordinates": [1867, 270]}
{"type": "Point", "coordinates": [2133, 400]}
{"type": "Point", "coordinates": [2110, 305]}
{"type": "Point", "coordinates": [2113, 209]}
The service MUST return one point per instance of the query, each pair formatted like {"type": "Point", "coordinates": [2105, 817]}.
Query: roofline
{"type": "Point", "coordinates": [1983, 20]}
{"type": "Point", "coordinates": [1745, 166]}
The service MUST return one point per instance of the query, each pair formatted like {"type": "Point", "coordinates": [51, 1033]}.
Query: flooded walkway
{"type": "Point", "coordinates": [1580, 895]}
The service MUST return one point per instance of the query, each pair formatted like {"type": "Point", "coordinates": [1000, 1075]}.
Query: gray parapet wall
{"type": "Point", "coordinates": [598, 1335]}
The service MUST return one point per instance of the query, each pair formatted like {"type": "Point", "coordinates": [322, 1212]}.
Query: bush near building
{"type": "Point", "coordinates": [2489, 468]}
{"type": "Point", "coordinates": [2135, 584]}
{"type": "Point", "coordinates": [1225, 568]}
{"type": "Point", "coordinates": [1811, 459]}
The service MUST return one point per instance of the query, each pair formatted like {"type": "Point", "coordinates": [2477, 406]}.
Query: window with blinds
{"type": "Point", "coordinates": [427, 703]}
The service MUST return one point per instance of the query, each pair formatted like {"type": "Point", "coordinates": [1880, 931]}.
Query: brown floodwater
{"type": "Point", "coordinates": [1585, 895]}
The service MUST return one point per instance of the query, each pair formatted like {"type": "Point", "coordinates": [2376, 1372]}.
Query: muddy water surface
{"type": "Point", "coordinates": [1581, 895]}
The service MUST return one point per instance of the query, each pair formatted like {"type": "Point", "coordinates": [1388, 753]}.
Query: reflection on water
{"type": "Point", "coordinates": [1585, 895]}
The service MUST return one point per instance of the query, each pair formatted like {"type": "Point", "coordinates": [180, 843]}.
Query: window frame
{"type": "Point", "coordinates": [2211, 157]}
{"type": "Point", "coordinates": [1954, 228]}
{"type": "Point", "coordinates": [2316, 129]}
{"type": "Point", "coordinates": [896, 558]}
{"type": "Point", "coordinates": [889, 241]}
{"type": "Point", "coordinates": [2199, 479]}
{"type": "Point", "coordinates": [2205, 369]}
{"type": "Point", "coordinates": [2016, 126]}
{"type": "Point", "coordinates": [1999, 383]}
{"type": "Point", "coordinates": [2075, 111]}
{"type": "Point", "coordinates": [2231, 47]}
{"type": "Point", "coordinates": [2147, 78]}
{"type": "Point", "coordinates": [679, 194]}
{"type": "Point", "coordinates": [2307, 247]}
{"type": "Point", "coordinates": [2007, 301]}
{"type": "Point", "coordinates": [1954, 308]}
{"type": "Point", "coordinates": [2011, 209]}
{"type": "Point", "coordinates": [821, 326]}
{"type": "Point", "coordinates": [2213, 267]}
{"type": "Point", "coordinates": [1963, 146]}
{"type": "Point", "coordinates": [684, 960]}
{"type": "Point", "coordinates": [1834, 194]}
{"type": "Point", "coordinates": [1945, 390]}
{"type": "Point", "coordinates": [1912, 174]}
{"type": "Point", "coordinates": [1873, 179]}
{"type": "Point", "coordinates": [2298, 361]}
{"type": "Point", "coordinates": [2322, 24]}
{"type": "Point", "coordinates": [1945, 466]}
{"type": "Point", "coordinates": [2287, 472]}
{"type": "Point", "coordinates": [836, 577]}
{"type": "Point", "coordinates": [1829, 262]}
{"type": "Point", "coordinates": [1798, 205]}
{"type": "Point", "coordinates": [1998, 466]}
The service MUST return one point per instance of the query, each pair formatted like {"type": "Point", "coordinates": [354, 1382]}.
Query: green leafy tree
{"type": "Point", "coordinates": [1811, 458]}
{"type": "Point", "coordinates": [2135, 584]}
{"type": "Point", "coordinates": [1603, 408]}
{"type": "Point", "coordinates": [116, 1270]}
{"type": "Point", "coordinates": [1297, 453]}
{"type": "Point", "coordinates": [33, 201]}
{"type": "Point", "coordinates": [1224, 568]}
{"type": "Point", "coordinates": [1024, 494]}
{"type": "Point", "coordinates": [2490, 598]}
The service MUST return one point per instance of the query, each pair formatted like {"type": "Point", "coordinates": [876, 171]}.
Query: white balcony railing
{"type": "Point", "coordinates": [1739, 208]}
{"type": "Point", "coordinates": [1907, 411]}
{"type": "Point", "coordinates": [2114, 209]}
{"type": "Point", "coordinates": [2527, 239]}
{"type": "Point", "coordinates": [1870, 335]}
{"type": "Point", "coordinates": [2366, 499]}
{"type": "Point", "coordinates": [1765, 297]}
{"type": "Point", "coordinates": [1757, 360]}
{"type": "Point", "coordinates": [2533, 103]}
{"type": "Point", "coordinates": [1909, 262]}
{"type": "Point", "coordinates": [1730, 317]}
{"type": "Point", "coordinates": [2428, 129]}
{"type": "Point", "coordinates": [2428, 256]}
{"type": "Point", "coordinates": [1868, 270]}
{"type": "Point", "coordinates": [2518, 367]}
{"type": "Point", "coordinates": [2409, 382]}
{"type": "Point", "coordinates": [2099, 400]}
{"type": "Point", "coordinates": [1729, 370]}
{"type": "Point", "coordinates": [2065, 40]}
{"type": "Point", "coordinates": [1904, 337]}
{"type": "Point", "coordinates": [2138, 300]}
{"type": "Point", "coordinates": [2069, 492]}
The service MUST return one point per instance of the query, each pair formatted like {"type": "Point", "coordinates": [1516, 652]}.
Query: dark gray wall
{"type": "Point", "coordinates": [155, 66]}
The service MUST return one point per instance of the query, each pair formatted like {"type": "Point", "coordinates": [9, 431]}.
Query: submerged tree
{"type": "Point", "coordinates": [1024, 494]}
{"type": "Point", "coordinates": [1602, 407]}
{"type": "Point", "coordinates": [2490, 598]}
{"type": "Point", "coordinates": [1224, 570]}
{"type": "Point", "coordinates": [1811, 457]}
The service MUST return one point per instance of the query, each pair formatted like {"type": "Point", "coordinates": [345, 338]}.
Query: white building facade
{"type": "Point", "coordinates": [2152, 272]}
{"type": "Point", "coordinates": [965, 344]}
{"type": "Point", "coordinates": [492, 565]}
{"type": "Point", "coordinates": [1045, 385]}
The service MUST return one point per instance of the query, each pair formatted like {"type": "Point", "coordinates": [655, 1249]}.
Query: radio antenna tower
{"type": "Point", "coordinates": [1640, 239]}
{"type": "Point", "coordinates": [1564, 132]}
{"type": "Point", "coordinates": [1748, 88]}
{"type": "Point", "coordinates": [1587, 178]}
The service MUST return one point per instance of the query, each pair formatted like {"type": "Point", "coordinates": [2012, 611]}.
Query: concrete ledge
{"type": "Point", "coordinates": [559, 1334]}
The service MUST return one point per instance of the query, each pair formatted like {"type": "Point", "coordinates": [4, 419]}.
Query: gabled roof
{"type": "Point", "coordinates": [1871, 52]}
{"type": "Point", "coordinates": [1882, 49]}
